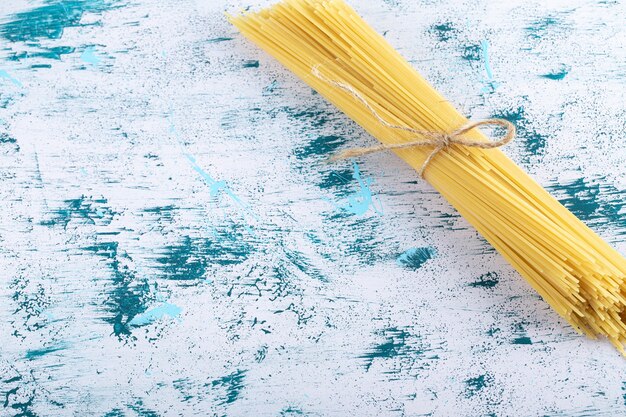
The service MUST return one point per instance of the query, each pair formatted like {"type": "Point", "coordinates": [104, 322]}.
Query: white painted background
{"type": "Point", "coordinates": [110, 162]}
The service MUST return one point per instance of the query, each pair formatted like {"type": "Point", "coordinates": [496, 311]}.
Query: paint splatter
{"type": "Point", "coordinates": [157, 313]}
{"type": "Point", "coordinates": [534, 142]}
{"type": "Point", "coordinates": [473, 386]}
{"type": "Point", "coordinates": [359, 203]}
{"type": "Point", "coordinates": [443, 31]}
{"type": "Point", "coordinates": [414, 258]}
{"type": "Point", "coordinates": [488, 280]}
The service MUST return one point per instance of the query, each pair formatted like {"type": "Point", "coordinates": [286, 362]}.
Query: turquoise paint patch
{"type": "Point", "coordinates": [157, 313]}
{"type": "Point", "coordinates": [488, 280]}
{"type": "Point", "coordinates": [359, 203]}
{"type": "Point", "coordinates": [524, 340]}
{"type": "Point", "coordinates": [414, 258]}
{"type": "Point", "coordinates": [89, 56]}
{"type": "Point", "coordinates": [491, 84]}
{"type": "Point", "coordinates": [472, 53]}
{"type": "Point", "coordinates": [232, 385]}
{"type": "Point", "coordinates": [320, 146]}
{"type": "Point", "coordinates": [251, 64]}
{"type": "Point", "coordinates": [50, 20]}
{"type": "Point", "coordinates": [5, 75]}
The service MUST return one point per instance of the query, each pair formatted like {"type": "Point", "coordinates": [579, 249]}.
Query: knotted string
{"type": "Point", "coordinates": [439, 141]}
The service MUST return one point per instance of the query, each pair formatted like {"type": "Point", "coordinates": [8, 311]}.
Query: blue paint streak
{"type": "Point", "coordinates": [359, 203]}
{"type": "Point", "coordinates": [414, 258]}
{"type": "Point", "coordinates": [89, 56]}
{"type": "Point", "coordinates": [215, 186]}
{"type": "Point", "coordinates": [491, 83]}
{"type": "Point", "coordinates": [157, 313]}
{"type": "Point", "coordinates": [7, 76]}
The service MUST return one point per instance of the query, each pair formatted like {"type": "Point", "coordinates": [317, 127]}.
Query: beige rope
{"type": "Point", "coordinates": [439, 141]}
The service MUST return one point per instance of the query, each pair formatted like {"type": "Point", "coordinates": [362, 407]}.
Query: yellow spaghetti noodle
{"type": "Point", "coordinates": [574, 270]}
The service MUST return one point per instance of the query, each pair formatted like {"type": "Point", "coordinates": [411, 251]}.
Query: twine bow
{"type": "Point", "coordinates": [439, 141]}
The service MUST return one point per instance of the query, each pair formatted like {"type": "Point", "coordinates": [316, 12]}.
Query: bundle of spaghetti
{"type": "Point", "coordinates": [573, 269]}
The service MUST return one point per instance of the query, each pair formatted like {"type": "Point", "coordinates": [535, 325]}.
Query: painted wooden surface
{"type": "Point", "coordinates": [172, 241]}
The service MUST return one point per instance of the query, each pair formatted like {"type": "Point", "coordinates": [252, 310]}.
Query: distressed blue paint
{"type": "Point", "coordinates": [220, 39]}
{"type": "Point", "coordinates": [443, 31]}
{"type": "Point", "coordinates": [232, 385]}
{"type": "Point", "coordinates": [538, 29]}
{"type": "Point", "coordinates": [472, 53]}
{"type": "Point", "coordinates": [53, 52]}
{"type": "Point", "coordinates": [156, 313]}
{"type": "Point", "coordinates": [474, 385]}
{"type": "Point", "coordinates": [32, 354]}
{"type": "Point", "coordinates": [596, 201]}
{"type": "Point", "coordinates": [50, 20]}
{"type": "Point", "coordinates": [89, 56]}
{"type": "Point", "coordinates": [84, 210]}
{"type": "Point", "coordinates": [190, 259]}
{"type": "Point", "coordinates": [557, 75]}
{"type": "Point", "coordinates": [5, 75]}
{"type": "Point", "coordinates": [128, 295]}
{"type": "Point", "coordinates": [414, 258]}
{"type": "Point", "coordinates": [320, 146]}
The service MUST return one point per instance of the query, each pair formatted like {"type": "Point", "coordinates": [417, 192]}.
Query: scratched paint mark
{"type": "Point", "coordinates": [6, 76]}
{"type": "Point", "coordinates": [414, 258]}
{"type": "Point", "coordinates": [190, 259]}
{"type": "Point", "coordinates": [491, 84]}
{"type": "Point", "coordinates": [230, 386]}
{"type": "Point", "coordinates": [539, 28]}
{"type": "Point", "coordinates": [521, 337]}
{"type": "Point", "coordinates": [292, 411]}
{"type": "Point", "coordinates": [53, 52]}
{"type": "Point", "coordinates": [557, 74]}
{"type": "Point", "coordinates": [218, 40]}
{"type": "Point", "coordinates": [157, 313]}
{"type": "Point", "coordinates": [401, 352]}
{"type": "Point", "coordinates": [360, 202]}
{"type": "Point", "coordinates": [33, 354]}
{"type": "Point", "coordinates": [89, 56]}
{"type": "Point", "coordinates": [534, 142]}
{"type": "Point", "coordinates": [82, 210]}
{"type": "Point", "coordinates": [488, 280]}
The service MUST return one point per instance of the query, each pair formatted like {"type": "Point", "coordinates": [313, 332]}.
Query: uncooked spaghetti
{"type": "Point", "coordinates": [575, 271]}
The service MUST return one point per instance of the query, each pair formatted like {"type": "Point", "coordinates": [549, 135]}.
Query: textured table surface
{"type": "Point", "coordinates": [172, 241]}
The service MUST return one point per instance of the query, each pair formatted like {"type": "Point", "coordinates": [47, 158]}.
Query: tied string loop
{"type": "Point", "coordinates": [439, 141]}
